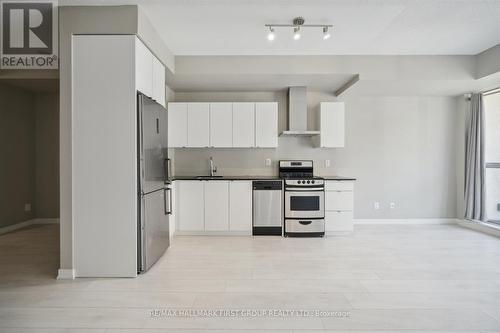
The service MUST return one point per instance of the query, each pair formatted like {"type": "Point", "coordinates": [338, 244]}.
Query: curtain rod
{"type": "Point", "coordinates": [491, 91]}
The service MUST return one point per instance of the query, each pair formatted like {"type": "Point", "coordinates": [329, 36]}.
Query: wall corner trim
{"type": "Point", "coordinates": [65, 274]}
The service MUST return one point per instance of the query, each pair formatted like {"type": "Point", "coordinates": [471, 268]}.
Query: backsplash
{"type": "Point", "coordinates": [232, 161]}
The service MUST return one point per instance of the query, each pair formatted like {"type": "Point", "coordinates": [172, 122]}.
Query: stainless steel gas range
{"type": "Point", "coordinates": [304, 199]}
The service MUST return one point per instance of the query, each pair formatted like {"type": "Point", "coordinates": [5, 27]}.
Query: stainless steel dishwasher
{"type": "Point", "coordinates": [267, 207]}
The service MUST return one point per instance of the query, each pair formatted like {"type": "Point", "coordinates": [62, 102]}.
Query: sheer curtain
{"type": "Point", "coordinates": [474, 160]}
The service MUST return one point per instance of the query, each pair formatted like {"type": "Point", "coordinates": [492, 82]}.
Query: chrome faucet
{"type": "Point", "coordinates": [213, 168]}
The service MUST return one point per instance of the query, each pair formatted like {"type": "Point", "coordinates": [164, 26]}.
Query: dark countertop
{"type": "Point", "coordinates": [253, 178]}
{"type": "Point", "coordinates": [337, 178]}
{"type": "Point", "coordinates": [227, 178]}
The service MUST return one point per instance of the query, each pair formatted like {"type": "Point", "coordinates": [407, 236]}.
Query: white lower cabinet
{"type": "Point", "coordinates": [240, 206]}
{"type": "Point", "coordinates": [172, 226]}
{"type": "Point", "coordinates": [216, 205]}
{"type": "Point", "coordinates": [338, 221]}
{"type": "Point", "coordinates": [339, 206]}
{"type": "Point", "coordinates": [191, 203]}
{"type": "Point", "coordinates": [213, 206]}
{"type": "Point", "coordinates": [338, 200]}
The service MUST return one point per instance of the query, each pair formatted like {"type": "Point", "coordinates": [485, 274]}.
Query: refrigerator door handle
{"type": "Point", "coordinates": [167, 165]}
{"type": "Point", "coordinates": [169, 190]}
{"type": "Point", "coordinates": [170, 201]}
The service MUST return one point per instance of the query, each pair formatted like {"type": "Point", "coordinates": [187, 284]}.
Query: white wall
{"type": "Point", "coordinates": [488, 62]}
{"type": "Point", "coordinates": [17, 148]}
{"type": "Point", "coordinates": [47, 154]}
{"type": "Point", "coordinates": [29, 140]}
{"type": "Point", "coordinates": [401, 149]}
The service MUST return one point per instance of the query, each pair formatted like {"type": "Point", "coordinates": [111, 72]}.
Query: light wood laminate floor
{"type": "Point", "coordinates": [388, 278]}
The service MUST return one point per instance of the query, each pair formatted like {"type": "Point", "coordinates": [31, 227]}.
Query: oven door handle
{"type": "Point", "coordinates": [304, 189]}
{"type": "Point", "coordinates": [305, 222]}
{"type": "Point", "coordinates": [304, 193]}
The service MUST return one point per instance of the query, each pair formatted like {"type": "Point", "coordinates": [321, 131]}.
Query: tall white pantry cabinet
{"type": "Point", "coordinates": [107, 72]}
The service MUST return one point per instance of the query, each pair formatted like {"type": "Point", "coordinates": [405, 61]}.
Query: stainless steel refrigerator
{"type": "Point", "coordinates": [155, 195]}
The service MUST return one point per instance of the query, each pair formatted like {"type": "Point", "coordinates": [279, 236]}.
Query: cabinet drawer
{"type": "Point", "coordinates": [338, 221]}
{"type": "Point", "coordinates": [339, 185]}
{"type": "Point", "coordinates": [339, 200]}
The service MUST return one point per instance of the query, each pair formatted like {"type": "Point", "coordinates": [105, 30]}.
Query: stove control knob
{"type": "Point", "coordinates": [312, 181]}
{"type": "Point", "coordinates": [308, 181]}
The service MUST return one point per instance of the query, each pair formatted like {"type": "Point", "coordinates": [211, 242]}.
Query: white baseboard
{"type": "Point", "coordinates": [213, 233]}
{"type": "Point", "coordinates": [486, 228]}
{"type": "Point", "coordinates": [406, 221]}
{"type": "Point", "coordinates": [24, 224]}
{"type": "Point", "coordinates": [65, 274]}
{"type": "Point", "coordinates": [45, 221]}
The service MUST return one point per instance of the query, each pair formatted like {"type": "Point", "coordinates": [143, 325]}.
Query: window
{"type": "Point", "coordinates": [492, 155]}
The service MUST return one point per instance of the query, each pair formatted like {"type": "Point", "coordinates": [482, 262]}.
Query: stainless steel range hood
{"type": "Point", "coordinates": [297, 113]}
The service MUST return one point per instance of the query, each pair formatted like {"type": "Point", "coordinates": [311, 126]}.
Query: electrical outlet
{"type": "Point", "coordinates": [392, 205]}
{"type": "Point", "coordinates": [268, 162]}
{"type": "Point", "coordinates": [327, 163]}
{"type": "Point", "coordinates": [27, 207]}
{"type": "Point", "coordinates": [376, 205]}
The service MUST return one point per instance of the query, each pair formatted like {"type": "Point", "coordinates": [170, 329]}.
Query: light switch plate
{"type": "Point", "coordinates": [327, 163]}
{"type": "Point", "coordinates": [268, 162]}
{"type": "Point", "coordinates": [376, 205]}
{"type": "Point", "coordinates": [392, 205]}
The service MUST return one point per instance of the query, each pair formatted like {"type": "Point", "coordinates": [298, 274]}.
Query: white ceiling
{"type": "Point", "coordinates": [236, 27]}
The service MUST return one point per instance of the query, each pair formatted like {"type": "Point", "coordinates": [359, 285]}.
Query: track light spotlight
{"type": "Point", "coordinates": [326, 34]}
{"type": "Point", "coordinates": [271, 35]}
{"type": "Point", "coordinates": [296, 33]}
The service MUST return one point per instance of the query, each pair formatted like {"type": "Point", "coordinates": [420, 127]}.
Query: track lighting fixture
{"type": "Point", "coordinates": [297, 25]}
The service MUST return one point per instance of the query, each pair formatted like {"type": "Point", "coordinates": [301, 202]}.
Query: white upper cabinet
{"type": "Point", "coordinates": [266, 124]}
{"type": "Point", "coordinates": [149, 73]}
{"type": "Point", "coordinates": [243, 125]}
{"type": "Point", "coordinates": [221, 124]}
{"type": "Point", "coordinates": [143, 68]}
{"type": "Point", "coordinates": [158, 81]}
{"type": "Point", "coordinates": [177, 125]}
{"type": "Point", "coordinates": [198, 125]}
{"type": "Point", "coordinates": [216, 205]}
{"type": "Point", "coordinates": [332, 125]}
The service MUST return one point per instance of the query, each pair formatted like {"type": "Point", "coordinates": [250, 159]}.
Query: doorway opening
{"type": "Point", "coordinates": [29, 174]}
